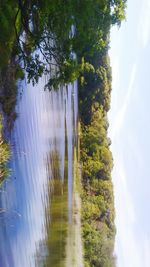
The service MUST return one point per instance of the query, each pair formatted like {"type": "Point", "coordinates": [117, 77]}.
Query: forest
{"type": "Point", "coordinates": [78, 50]}
{"type": "Point", "coordinates": [98, 212]}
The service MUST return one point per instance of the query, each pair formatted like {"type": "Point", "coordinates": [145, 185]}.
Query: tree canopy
{"type": "Point", "coordinates": [48, 33]}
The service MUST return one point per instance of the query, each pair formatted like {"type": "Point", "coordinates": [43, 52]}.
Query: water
{"type": "Point", "coordinates": [36, 200]}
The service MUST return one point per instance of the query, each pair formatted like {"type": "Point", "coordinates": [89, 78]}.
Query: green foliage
{"type": "Point", "coordinates": [98, 212]}
{"type": "Point", "coordinates": [98, 246]}
{"type": "Point", "coordinates": [4, 155]}
{"type": "Point", "coordinates": [86, 26]}
{"type": "Point", "coordinates": [97, 197]}
{"type": "Point", "coordinates": [8, 11]}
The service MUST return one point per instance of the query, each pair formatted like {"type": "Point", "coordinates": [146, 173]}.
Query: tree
{"type": "Point", "coordinates": [85, 23]}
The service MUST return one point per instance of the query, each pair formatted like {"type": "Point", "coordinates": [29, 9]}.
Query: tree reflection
{"type": "Point", "coordinates": [51, 251]}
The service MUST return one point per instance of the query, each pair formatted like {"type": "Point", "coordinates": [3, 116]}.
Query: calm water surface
{"type": "Point", "coordinates": [36, 200]}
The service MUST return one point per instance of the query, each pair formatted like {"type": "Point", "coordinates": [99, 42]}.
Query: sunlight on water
{"type": "Point", "coordinates": [36, 201]}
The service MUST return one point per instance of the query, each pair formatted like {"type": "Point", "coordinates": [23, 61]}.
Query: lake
{"type": "Point", "coordinates": [36, 199]}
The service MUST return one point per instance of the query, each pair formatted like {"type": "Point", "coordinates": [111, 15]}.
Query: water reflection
{"type": "Point", "coordinates": [36, 201]}
{"type": "Point", "coordinates": [56, 215]}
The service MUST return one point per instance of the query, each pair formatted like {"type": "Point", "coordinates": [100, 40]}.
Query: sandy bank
{"type": "Point", "coordinates": [74, 248]}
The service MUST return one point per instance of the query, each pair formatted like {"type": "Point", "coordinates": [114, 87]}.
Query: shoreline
{"type": "Point", "coordinates": [4, 154]}
{"type": "Point", "coordinates": [74, 246]}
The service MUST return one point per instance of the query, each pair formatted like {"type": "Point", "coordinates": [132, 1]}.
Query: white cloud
{"type": "Point", "coordinates": [118, 123]}
{"type": "Point", "coordinates": [144, 23]}
{"type": "Point", "coordinates": [130, 250]}
{"type": "Point", "coordinates": [124, 197]}
{"type": "Point", "coordinates": [132, 246]}
{"type": "Point", "coordinates": [146, 254]}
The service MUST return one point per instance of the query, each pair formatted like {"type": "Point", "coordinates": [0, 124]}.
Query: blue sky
{"type": "Point", "coordinates": [130, 134]}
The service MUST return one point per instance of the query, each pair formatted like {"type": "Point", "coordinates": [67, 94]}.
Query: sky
{"type": "Point", "coordinates": [130, 134]}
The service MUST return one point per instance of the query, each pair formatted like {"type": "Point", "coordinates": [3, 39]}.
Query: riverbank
{"type": "Point", "coordinates": [8, 91]}
{"type": "Point", "coordinates": [10, 72]}
{"type": "Point", "coordinates": [8, 100]}
{"type": "Point", "coordinates": [4, 154]}
{"type": "Point", "coordinates": [74, 248]}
